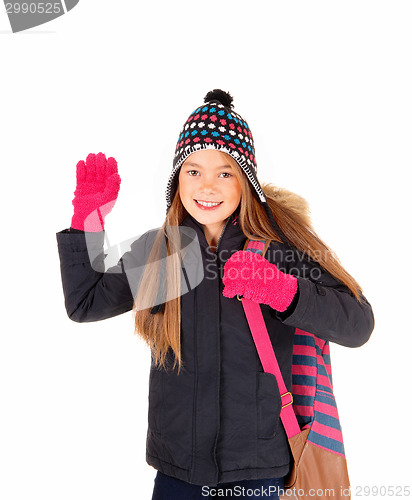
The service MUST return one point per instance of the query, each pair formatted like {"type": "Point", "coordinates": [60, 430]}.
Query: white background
{"type": "Point", "coordinates": [326, 89]}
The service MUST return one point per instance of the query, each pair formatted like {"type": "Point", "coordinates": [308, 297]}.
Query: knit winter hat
{"type": "Point", "coordinates": [215, 125]}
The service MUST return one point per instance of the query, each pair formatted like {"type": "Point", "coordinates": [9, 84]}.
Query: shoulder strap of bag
{"type": "Point", "coordinates": [265, 350]}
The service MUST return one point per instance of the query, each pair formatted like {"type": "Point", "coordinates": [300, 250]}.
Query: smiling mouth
{"type": "Point", "coordinates": [204, 203]}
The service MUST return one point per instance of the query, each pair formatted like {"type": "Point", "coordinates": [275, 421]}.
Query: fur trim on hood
{"type": "Point", "coordinates": [288, 199]}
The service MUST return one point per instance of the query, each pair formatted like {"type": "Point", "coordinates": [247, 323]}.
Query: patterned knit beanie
{"type": "Point", "coordinates": [214, 125]}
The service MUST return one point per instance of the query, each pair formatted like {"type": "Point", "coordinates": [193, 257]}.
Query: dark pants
{"type": "Point", "coordinates": [170, 488]}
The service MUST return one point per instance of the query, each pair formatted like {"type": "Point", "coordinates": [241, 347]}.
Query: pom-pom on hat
{"type": "Point", "coordinates": [215, 125]}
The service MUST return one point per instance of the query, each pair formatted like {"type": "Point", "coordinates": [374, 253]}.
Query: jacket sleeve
{"type": "Point", "coordinates": [90, 292]}
{"type": "Point", "coordinates": [325, 306]}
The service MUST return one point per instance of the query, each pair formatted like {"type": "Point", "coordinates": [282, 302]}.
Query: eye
{"type": "Point", "coordinates": [197, 172]}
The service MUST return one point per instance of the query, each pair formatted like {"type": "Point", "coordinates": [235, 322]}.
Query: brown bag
{"type": "Point", "coordinates": [316, 472]}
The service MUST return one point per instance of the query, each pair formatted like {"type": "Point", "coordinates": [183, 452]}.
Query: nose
{"type": "Point", "coordinates": [208, 184]}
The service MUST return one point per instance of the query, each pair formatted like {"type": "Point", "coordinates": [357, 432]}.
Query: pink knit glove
{"type": "Point", "coordinates": [98, 184]}
{"type": "Point", "coordinates": [251, 275]}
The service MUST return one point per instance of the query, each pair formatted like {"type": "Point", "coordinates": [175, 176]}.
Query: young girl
{"type": "Point", "coordinates": [213, 420]}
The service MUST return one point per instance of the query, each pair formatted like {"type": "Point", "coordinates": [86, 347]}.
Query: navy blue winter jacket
{"type": "Point", "coordinates": [218, 420]}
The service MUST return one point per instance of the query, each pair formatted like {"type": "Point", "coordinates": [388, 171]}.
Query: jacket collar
{"type": "Point", "coordinates": [231, 238]}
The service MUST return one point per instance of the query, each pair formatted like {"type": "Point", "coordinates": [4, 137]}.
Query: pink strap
{"type": "Point", "coordinates": [268, 358]}
{"type": "Point", "coordinates": [270, 364]}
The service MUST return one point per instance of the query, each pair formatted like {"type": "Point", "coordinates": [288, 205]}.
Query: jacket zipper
{"type": "Point", "coordinates": [218, 391]}
{"type": "Point", "coordinates": [220, 238]}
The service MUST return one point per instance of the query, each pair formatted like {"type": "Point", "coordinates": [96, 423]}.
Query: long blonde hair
{"type": "Point", "coordinates": [161, 331]}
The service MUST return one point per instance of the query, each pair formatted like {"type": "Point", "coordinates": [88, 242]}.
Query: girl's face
{"type": "Point", "coordinates": [207, 176]}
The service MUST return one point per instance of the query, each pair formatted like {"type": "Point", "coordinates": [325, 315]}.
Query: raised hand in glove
{"type": "Point", "coordinates": [98, 184]}
{"type": "Point", "coordinates": [251, 275]}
